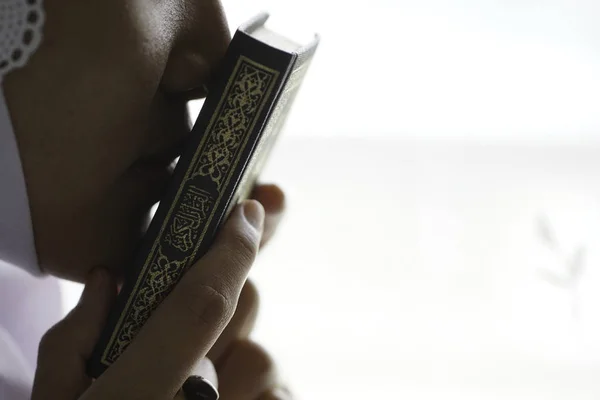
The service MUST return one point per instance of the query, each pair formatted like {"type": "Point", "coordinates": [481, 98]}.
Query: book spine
{"type": "Point", "coordinates": [206, 185]}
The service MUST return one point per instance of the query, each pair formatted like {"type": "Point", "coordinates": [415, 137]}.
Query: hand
{"type": "Point", "coordinates": [179, 333]}
{"type": "Point", "coordinates": [245, 370]}
{"type": "Point", "coordinates": [248, 372]}
{"type": "Point", "coordinates": [272, 199]}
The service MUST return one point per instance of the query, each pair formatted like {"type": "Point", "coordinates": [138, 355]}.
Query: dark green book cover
{"type": "Point", "coordinates": [243, 114]}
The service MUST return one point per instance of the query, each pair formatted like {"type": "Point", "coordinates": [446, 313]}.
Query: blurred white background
{"type": "Point", "coordinates": [442, 165]}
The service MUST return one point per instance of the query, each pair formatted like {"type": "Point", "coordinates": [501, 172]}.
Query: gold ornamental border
{"type": "Point", "coordinates": [201, 151]}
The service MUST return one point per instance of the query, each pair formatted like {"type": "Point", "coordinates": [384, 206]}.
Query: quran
{"type": "Point", "coordinates": [245, 110]}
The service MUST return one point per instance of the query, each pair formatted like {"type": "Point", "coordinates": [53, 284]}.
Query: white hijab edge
{"type": "Point", "coordinates": [19, 39]}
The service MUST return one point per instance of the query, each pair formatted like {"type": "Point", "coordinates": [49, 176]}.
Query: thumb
{"type": "Point", "coordinates": [65, 348]}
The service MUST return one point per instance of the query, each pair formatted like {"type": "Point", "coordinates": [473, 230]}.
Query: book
{"type": "Point", "coordinates": [242, 116]}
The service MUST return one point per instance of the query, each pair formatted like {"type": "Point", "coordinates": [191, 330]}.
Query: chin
{"type": "Point", "coordinates": [105, 232]}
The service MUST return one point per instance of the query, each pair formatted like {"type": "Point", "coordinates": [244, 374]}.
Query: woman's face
{"type": "Point", "coordinates": [100, 112]}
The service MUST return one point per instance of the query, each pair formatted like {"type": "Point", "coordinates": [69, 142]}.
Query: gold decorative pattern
{"type": "Point", "coordinates": [161, 276]}
{"type": "Point", "coordinates": [193, 209]}
{"type": "Point", "coordinates": [238, 112]}
{"type": "Point", "coordinates": [269, 136]}
{"type": "Point", "coordinates": [193, 212]}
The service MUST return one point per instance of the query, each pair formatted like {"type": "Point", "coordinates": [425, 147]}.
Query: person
{"type": "Point", "coordinates": [92, 109]}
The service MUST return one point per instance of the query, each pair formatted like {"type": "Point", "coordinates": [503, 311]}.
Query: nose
{"type": "Point", "coordinates": [201, 41]}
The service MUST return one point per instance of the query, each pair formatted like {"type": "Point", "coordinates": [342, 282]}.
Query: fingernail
{"type": "Point", "coordinates": [206, 369]}
{"type": "Point", "coordinates": [198, 388]}
{"type": "Point", "coordinates": [254, 213]}
{"type": "Point", "coordinates": [281, 393]}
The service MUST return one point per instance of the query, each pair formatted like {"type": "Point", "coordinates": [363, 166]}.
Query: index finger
{"type": "Point", "coordinates": [186, 325]}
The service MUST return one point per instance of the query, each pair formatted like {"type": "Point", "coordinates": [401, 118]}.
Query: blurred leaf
{"type": "Point", "coordinates": [546, 233]}
{"type": "Point", "coordinates": [576, 263]}
{"type": "Point", "coordinates": [554, 279]}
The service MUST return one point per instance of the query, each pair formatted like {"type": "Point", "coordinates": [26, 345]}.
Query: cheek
{"type": "Point", "coordinates": [96, 107]}
{"type": "Point", "coordinates": [86, 214]}
{"type": "Point", "coordinates": [85, 119]}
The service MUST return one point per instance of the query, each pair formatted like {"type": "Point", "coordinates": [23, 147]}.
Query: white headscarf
{"type": "Point", "coordinates": [28, 305]}
{"type": "Point", "coordinates": [21, 23]}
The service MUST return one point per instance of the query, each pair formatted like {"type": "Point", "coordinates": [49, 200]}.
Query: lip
{"type": "Point", "coordinates": [164, 158]}
{"type": "Point", "coordinates": [152, 172]}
